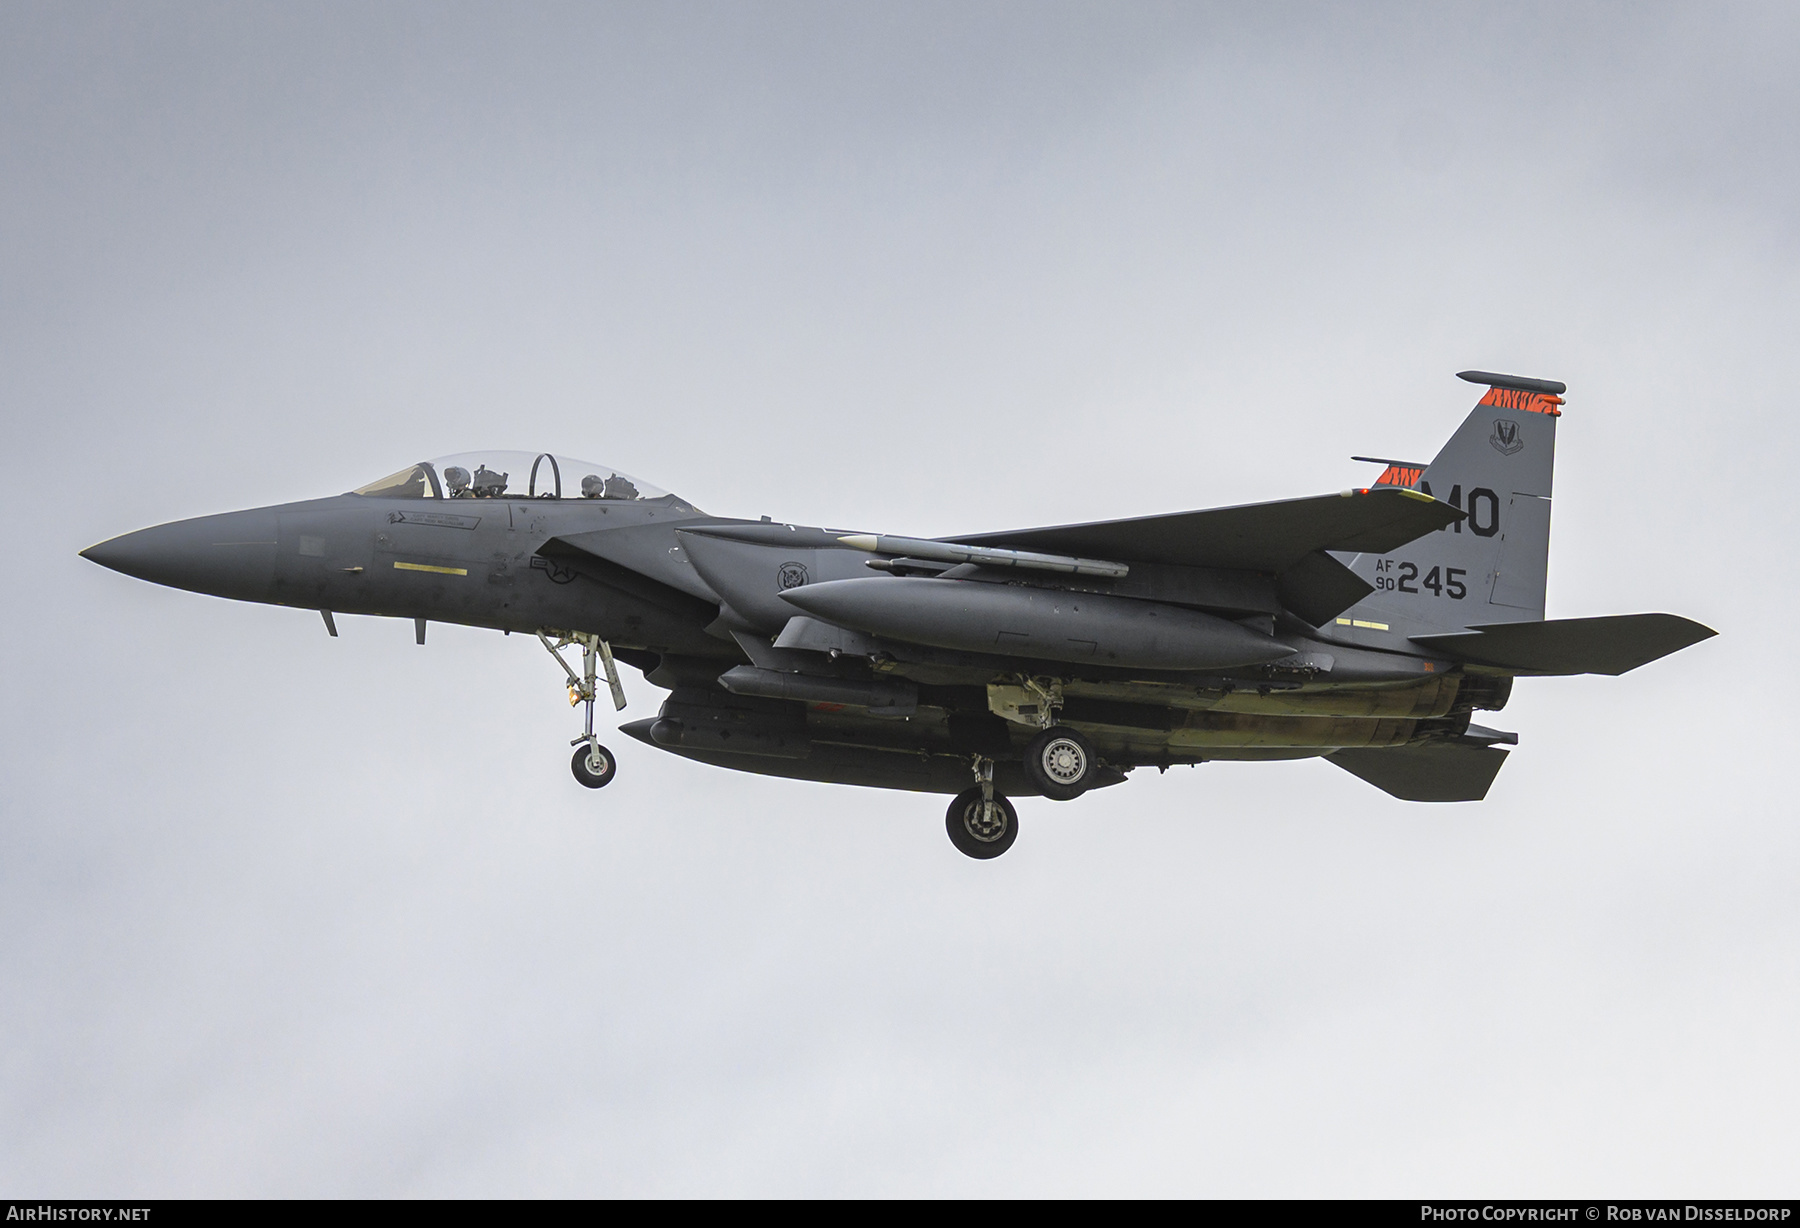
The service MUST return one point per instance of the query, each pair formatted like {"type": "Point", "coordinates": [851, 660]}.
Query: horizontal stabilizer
{"type": "Point", "coordinates": [1269, 537]}
{"type": "Point", "coordinates": [1459, 771]}
{"type": "Point", "coordinates": [1610, 645]}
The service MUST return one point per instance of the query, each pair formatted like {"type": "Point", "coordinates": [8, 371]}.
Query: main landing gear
{"type": "Point", "coordinates": [981, 823]}
{"type": "Point", "coordinates": [1059, 762]}
{"type": "Point", "coordinates": [593, 765]}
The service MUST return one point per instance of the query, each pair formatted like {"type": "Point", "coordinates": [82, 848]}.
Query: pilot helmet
{"type": "Point", "coordinates": [456, 480]}
{"type": "Point", "coordinates": [593, 486]}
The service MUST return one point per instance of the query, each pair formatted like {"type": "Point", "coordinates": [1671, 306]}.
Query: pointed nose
{"type": "Point", "coordinates": [232, 555]}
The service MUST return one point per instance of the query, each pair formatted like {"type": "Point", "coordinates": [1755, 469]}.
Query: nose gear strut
{"type": "Point", "coordinates": [593, 764]}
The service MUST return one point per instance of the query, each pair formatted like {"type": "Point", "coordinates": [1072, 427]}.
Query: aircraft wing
{"type": "Point", "coordinates": [1269, 537]}
{"type": "Point", "coordinates": [1610, 645]}
{"type": "Point", "coordinates": [1288, 539]}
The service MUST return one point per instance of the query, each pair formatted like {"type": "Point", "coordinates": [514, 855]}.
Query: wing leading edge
{"type": "Point", "coordinates": [1270, 537]}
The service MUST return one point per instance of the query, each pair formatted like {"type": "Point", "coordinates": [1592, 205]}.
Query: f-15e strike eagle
{"type": "Point", "coordinates": [1366, 626]}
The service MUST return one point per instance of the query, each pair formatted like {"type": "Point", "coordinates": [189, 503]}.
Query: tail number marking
{"type": "Point", "coordinates": [1481, 524]}
{"type": "Point", "coordinates": [1400, 576]}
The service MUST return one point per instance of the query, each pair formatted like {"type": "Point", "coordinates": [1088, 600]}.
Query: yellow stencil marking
{"type": "Point", "coordinates": [1369, 626]}
{"type": "Point", "coordinates": [442, 571]}
{"type": "Point", "coordinates": [1343, 622]}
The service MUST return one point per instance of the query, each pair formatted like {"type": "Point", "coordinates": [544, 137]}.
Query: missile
{"type": "Point", "coordinates": [793, 537]}
{"type": "Point", "coordinates": [1046, 624]}
{"type": "Point", "coordinates": [986, 556]}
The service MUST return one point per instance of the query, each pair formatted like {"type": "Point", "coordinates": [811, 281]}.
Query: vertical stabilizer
{"type": "Point", "coordinates": [1493, 566]}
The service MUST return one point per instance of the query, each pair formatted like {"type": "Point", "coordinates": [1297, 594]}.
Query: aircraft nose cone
{"type": "Point", "coordinates": [232, 555]}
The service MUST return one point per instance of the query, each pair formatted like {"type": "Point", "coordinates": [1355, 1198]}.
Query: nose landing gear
{"type": "Point", "coordinates": [593, 765]}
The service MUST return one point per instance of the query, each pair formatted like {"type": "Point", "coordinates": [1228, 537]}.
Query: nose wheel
{"type": "Point", "coordinates": [593, 765]}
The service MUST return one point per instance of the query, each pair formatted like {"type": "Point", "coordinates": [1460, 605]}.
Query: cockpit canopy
{"type": "Point", "coordinates": [513, 475]}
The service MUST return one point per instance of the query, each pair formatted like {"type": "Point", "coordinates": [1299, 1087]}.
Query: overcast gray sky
{"type": "Point", "coordinates": [281, 914]}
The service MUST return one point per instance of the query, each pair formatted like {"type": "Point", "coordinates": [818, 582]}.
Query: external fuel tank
{"type": "Point", "coordinates": [1044, 624]}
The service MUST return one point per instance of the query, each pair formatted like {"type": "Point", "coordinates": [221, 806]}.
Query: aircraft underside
{"type": "Point", "coordinates": [1129, 725]}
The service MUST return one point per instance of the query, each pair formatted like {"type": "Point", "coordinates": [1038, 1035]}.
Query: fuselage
{"type": "Point", "coordinates": [687, 607]}
{"type": "Point", "coordinates": [476, 562]}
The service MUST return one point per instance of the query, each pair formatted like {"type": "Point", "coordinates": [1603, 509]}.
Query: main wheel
{"type": "Point", "coordinates": [593, 765]}
{"type": "Point", "coordinates": [975, 837]}
{"type": "Point", "coordinates": [1060, 762]}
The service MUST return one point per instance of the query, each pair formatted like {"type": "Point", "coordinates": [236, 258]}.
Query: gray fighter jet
{"type": "Point", "coordinates": [1366, 626]}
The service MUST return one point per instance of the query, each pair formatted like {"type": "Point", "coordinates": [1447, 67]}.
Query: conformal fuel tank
{"type": "Point", "coordinates": [1048, 624]}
